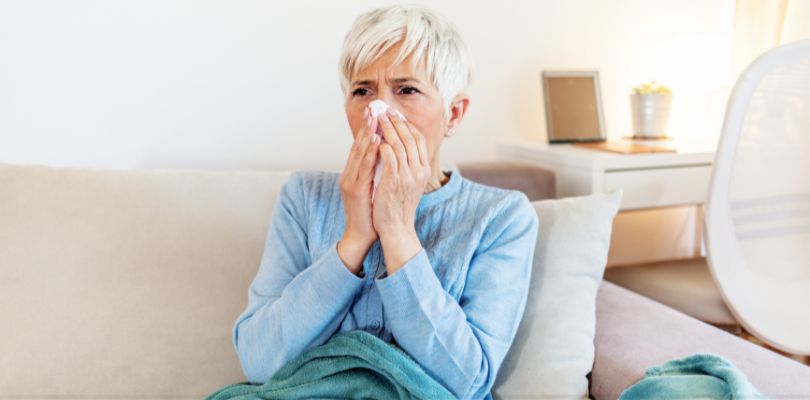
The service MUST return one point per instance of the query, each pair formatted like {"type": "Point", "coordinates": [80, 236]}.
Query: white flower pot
{"type": "Point", "coordinates": [650, 114]}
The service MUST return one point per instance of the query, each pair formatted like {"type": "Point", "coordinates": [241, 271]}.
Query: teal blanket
{"type": "Point", "coordinates": [698, 376]}
{"type": "Point", "coordinates": [354, 364]}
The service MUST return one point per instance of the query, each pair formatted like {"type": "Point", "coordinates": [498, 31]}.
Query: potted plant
{"type": "Point", "coordinates": [650, 104]}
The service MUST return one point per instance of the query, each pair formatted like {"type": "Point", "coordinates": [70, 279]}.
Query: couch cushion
{"type": "Point", "coordinates": [635, 333]}
{"type": "Point", "coordinates": [126, 282]}
{"type": "Point", "coordinates": [553, 350]}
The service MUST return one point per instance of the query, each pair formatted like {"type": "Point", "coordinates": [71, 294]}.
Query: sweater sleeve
{"type": "Point", "coordinates": [462, 344]}
{"type": "Point", "coordinates": [294, 303]}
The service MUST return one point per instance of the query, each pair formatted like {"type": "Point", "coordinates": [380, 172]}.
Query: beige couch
{"type": "Point", "coordinates": [127, 283]}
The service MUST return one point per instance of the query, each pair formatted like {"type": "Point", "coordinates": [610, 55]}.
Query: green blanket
{"type": "Point", "coordinates": [703, 376]}
{"type": "Point", "coordinates": [353, 364]}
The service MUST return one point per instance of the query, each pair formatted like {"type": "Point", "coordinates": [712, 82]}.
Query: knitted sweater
{"type": "Point", "coordinates": [454, 307]}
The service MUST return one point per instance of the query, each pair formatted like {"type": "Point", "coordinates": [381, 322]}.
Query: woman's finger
{"type": "Point", "coordinates": [359, 148]}
{"type": "Point", "coordinates": [389, 161]}
{"type": "Point", "coordinates": [370, 159]}
{"type": "Point", "coordinates": [411, 149]}
{"type": "Point", "coordinates": [392, 137]}
{"type": "Point", "coordinates": [421, 143]}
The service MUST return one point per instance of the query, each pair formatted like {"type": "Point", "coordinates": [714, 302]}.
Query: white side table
{"type": "Point", "coordinates": [649, 180]}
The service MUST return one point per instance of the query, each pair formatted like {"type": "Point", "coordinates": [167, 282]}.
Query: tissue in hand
{"type": "Point", "coordinates": [378, 107]}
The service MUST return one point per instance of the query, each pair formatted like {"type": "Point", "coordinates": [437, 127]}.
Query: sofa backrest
{"type": "Point", "coordinates": [128, 282]}
{"type": "Point", "coordinates": [536, 182]}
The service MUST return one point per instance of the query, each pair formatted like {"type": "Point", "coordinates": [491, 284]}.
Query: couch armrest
{"type": "Point", "coordinates": [536, 182]}
{"type": "Point", "coordinates": [634, 332]}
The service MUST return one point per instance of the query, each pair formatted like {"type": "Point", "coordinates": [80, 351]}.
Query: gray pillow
{"type": "Point", "coordinates": [553, 350]}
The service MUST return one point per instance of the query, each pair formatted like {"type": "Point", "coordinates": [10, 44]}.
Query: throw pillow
{"type": "Point", "coordinates": [553, 350]}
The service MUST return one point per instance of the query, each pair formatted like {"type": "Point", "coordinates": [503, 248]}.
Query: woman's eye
{"type": "Point", "coordinates": [409, 90]}
{"type": "Point", "coordinates": [359, 92]}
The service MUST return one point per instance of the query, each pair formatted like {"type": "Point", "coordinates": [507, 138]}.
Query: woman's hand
{"type": "Point", "coordinates": [406, 171]}
{"type": "Point", "coordinates": [355, 189]}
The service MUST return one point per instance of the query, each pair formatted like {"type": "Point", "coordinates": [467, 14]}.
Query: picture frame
{"type": "Point", "coordinates": [573, 105]}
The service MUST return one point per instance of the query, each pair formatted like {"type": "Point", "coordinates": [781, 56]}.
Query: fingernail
{"type": "Point", "coordinates": [374, 138]}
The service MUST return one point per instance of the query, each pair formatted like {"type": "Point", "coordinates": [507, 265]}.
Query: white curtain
{"type": "Point", "coordinates": [760, 25]}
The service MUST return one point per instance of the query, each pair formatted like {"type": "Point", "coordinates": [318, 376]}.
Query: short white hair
{"type": "Point", "coordinates": [422, 33]}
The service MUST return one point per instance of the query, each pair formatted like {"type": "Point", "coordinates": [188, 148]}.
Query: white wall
{"type": "Point", "coordinates": [204, 84]}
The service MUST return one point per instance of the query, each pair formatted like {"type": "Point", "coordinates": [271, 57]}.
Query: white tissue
{"type": "Point", "coordinates": [377, 107]}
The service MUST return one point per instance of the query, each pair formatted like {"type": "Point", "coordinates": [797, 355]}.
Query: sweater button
{"type": "Point", "coordinates": [375, 324]}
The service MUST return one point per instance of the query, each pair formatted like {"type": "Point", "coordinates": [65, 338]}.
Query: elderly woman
{"type": "Point", "coordinates": [436, 263]}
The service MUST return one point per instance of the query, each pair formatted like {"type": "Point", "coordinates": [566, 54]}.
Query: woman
{"type": "Point", "coordinates": [436, 263]}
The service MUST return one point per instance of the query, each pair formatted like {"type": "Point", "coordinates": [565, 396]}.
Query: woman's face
{"type": "Point", "coordinates": [406, 88]}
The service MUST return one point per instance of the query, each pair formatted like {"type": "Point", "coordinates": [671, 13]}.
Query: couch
{"type": "Point", "coordinates": [126, 283]}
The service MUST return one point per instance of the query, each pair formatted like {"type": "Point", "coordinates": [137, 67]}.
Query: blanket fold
{"type": "Point", "coordinates": [698, 376]}
{"type": "Point", "coordinates": [350, 365]}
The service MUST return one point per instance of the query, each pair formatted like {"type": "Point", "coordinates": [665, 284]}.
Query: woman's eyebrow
{"type": "Point", "coordinates": [367, 82]}
{"type": "Point", "coordinates": [406, 79]}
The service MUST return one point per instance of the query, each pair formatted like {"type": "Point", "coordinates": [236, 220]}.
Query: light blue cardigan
{"type": "Point", "coordinates": [454, 307]}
